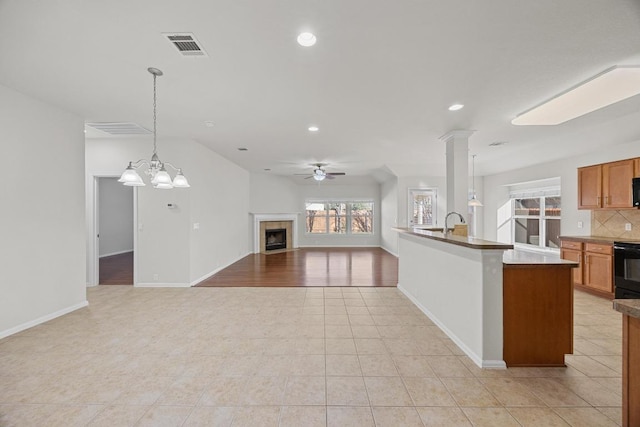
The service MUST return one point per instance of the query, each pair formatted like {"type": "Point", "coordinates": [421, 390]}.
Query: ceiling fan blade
{"type": "Point", "coordinates": [329, 176]}
{"type": "Point", "coordinates": [336, 173]}
{"type": "Point", "coordinates": [311, 176]}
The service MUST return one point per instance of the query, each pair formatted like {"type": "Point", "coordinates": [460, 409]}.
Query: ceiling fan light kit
{"type": "Point", "coordinates": [156, 169]}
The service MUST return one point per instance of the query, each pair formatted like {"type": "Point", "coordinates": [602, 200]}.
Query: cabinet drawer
{"type": "Point", "coordinates": [571, 244]}
{"type": "Point", "coordinates": [599, 248]}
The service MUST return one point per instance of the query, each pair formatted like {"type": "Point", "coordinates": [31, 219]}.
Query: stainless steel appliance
{"type": "Point", "coordinates": [635, 185]}
{"type": "Point", "coordinates": [626, 260]}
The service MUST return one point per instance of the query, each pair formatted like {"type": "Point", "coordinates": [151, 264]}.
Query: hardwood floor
{"type": "Point", "coordinates": [311, 267]}
{"type": "Point", "coordinates": [117, 269]}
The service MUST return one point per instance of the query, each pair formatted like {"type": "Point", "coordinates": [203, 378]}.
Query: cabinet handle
{"type": "Point", "coordinates": [606, 200]}
{"type": "Point", "coordinates": [598, 200]}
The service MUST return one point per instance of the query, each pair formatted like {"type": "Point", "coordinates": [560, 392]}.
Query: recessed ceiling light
{"type": "Point", "coordinates": [208, 123]}
{"type": "Point", "coordinates": [498, 143]}
{"type": "Point", "coordinates": [314, 128]}
{"type": "Point", "coordinates": [243, 149]}
{"type": "Point", "coordinates": [610, 86]}
{"type": "Point", "coordinates": [456, 107]}
{"type": "Point", "coordinates": [306, 39]}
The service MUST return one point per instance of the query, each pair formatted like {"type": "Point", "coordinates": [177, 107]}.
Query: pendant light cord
{"type": "Point", "coordinates": [154, 114]}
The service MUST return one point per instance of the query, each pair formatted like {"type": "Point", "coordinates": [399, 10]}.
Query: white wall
{"type": "Point", "coordinates": [115, 217]}
{"type": "Point", "coordinates": [273, 194]}
{"type": "Point", "coordinates": [389, 215]}
{"type": "Point", "coordinates": [219, 199]}
{"type": "Point", "coordinates": [339, 192]}
{"type": "Point", "coordinates": [170, 251]}
{"type": "Point", "coordinates": [496, 193]}
{"type": "Point", "coordinates": [42, 248]}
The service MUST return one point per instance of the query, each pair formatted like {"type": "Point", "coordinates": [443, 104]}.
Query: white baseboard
{"type": "Point", "coordinates": [42, 319]}
{"type": "Point", "coordinates": [116, 253]}
{"type": "Point", "coordinates": [390, 252]}
{"type": "Point", "coordinates": [493, 364]}
{"type": "Point", "coordinates": [161, 285]}
{"type": "Point", "coordinates": [206, 276]}
{"type": "Point", "coordinates": [340, 246]}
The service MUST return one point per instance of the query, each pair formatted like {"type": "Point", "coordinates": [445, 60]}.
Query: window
{"type": "Point", "coordinates": [339, 217]}
{"type": "Point", "coordinates": [536, 218]}
{"type": "Point", "coordinates": [422, 207]}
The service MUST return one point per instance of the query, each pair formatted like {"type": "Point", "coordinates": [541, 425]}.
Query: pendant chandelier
{"type": "Point", "coordinates": [156, 169]}
{"type": "Point", "coordinates": [474, 201]}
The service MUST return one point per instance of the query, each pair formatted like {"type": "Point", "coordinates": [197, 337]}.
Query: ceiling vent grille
{"type": "Point", "coordinates": [120, 128]}
{"type": "Point", "coordinates": [186, 44]}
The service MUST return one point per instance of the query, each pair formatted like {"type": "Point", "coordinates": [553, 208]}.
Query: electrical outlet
{"type": "Point", "coordinates": [580, 224]}
{"type": "Point", "coordinates": [156, 277]}
{"type": "Point", "coordinates": [627, 227]}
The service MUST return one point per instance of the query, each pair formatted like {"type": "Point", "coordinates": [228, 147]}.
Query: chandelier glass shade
{"type": "Point", "coordinates": [474, 202]}
{"type": "Point", "coordinates": [155, 169]}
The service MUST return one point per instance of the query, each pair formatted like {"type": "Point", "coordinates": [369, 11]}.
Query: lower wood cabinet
{"type": "Point", "coordinates": [595, 273]}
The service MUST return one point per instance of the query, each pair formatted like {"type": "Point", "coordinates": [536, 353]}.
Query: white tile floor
{"type": "Point", "coordinates": [290, 357]}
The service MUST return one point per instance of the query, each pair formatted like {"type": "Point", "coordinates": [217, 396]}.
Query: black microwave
{"type": "Point", "coordinates": [636, 192]}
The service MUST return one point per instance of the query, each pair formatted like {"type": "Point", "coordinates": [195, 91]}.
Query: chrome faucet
{"type": "Point", "coordinates": [446, 218]}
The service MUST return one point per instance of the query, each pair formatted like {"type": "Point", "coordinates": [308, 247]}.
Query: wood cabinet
{"type": "Point", "coordinates": [590, 187]}
{"type": "Point", "coordinates": [636, 168]}
{"type": "Point", "coordinates": [607, 186]}
{"type": "Point", "coordinates": [537, 314]}
{"type": "Point", "coordinates": [630, 371]}
{"type": "Point", "coordinates": [595, 273]}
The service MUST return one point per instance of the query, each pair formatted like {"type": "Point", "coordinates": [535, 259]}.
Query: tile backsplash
{"type": "Point", "coordinates": [610, 223]}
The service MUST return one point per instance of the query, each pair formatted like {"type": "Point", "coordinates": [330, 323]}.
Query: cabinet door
{"type": "Point", "coordinates": [636, 168]}
{"type": "Point", "coordinates": [590, 187]}
{"type": "Point", "coordinates": [598, 271]}
{"type": "Point", "coordinates": [616, 184]}
{"type": "Point", "coordinates": [576, 256]}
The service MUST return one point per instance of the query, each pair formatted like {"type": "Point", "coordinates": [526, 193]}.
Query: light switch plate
{"type": "Point", "coordinates": [627, 227]}
{"type": "Point", "coordinates": [580, 224]}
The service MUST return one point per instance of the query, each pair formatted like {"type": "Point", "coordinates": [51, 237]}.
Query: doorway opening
{"type": "Point", "coordinates": [114, 232]}
{"type": "Point", "coordinates": [422, 207]}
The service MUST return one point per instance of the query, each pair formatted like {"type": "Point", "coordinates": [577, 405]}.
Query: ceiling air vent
{"type": "Point", "coordinates": [120, 128]}
{"type": "Point", "coordinates": [186, 44]}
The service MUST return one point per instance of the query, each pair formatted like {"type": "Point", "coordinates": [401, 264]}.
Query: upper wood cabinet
{"type": "Point", "coordinates": [590, 187]}
{"type": "Point", "coordinates": [607, 185]}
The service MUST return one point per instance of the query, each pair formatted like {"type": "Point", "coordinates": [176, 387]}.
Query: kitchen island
{"type": "Point", "coordinates": [501, 307]}
{"type": "Point", "coordinates": [630, 309]}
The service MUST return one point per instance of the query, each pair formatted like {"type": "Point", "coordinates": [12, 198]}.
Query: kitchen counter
{"type": "Point", "coordinates": [630, 309]}
{"type": "Point", "coordinates": [469, 242]}
{"type": "Point", "coordinates": [514, 258]}
{"type": "Point", "coordinates": [598, 239]}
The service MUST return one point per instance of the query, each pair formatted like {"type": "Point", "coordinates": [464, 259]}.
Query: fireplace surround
{"type": "Point", "coordinates": [263, 222]}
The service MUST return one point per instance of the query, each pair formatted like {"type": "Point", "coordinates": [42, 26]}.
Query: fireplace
{"type": "Point", "coordinates": [264, 222]}
{"type": "Point", "coordinates": [275, 239]}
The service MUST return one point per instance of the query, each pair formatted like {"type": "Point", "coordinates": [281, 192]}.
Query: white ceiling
{"type": "Point", "coordinates": [377, 83]}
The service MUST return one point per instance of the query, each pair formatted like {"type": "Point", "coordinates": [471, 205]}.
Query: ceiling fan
{"type": "Point", "coordinates": [319, 174]}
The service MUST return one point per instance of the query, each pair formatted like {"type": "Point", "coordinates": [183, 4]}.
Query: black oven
{"type": "Point", "coordinates": [626, 259]}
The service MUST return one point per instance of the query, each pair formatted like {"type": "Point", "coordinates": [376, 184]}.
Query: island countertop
{"type": "Point", "coordinates": [517, 258]}
{"type": "Point", "coordinates": [630, 307]}
{"type": "Point", "coordinates": [469, 242]}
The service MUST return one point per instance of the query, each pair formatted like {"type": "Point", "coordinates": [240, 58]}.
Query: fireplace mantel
{"type": "Point", "coordinates": [260, 217]}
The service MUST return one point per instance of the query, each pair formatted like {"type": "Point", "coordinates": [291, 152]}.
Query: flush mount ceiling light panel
{"type": "Point", "coordinates": [456, 107]}
{"type": "Point", "coordinates": [314, 128]}
{"type": "Point", "coordinates": [306, 39]}
{"type": "Point", "coordinates": [612, 85]}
